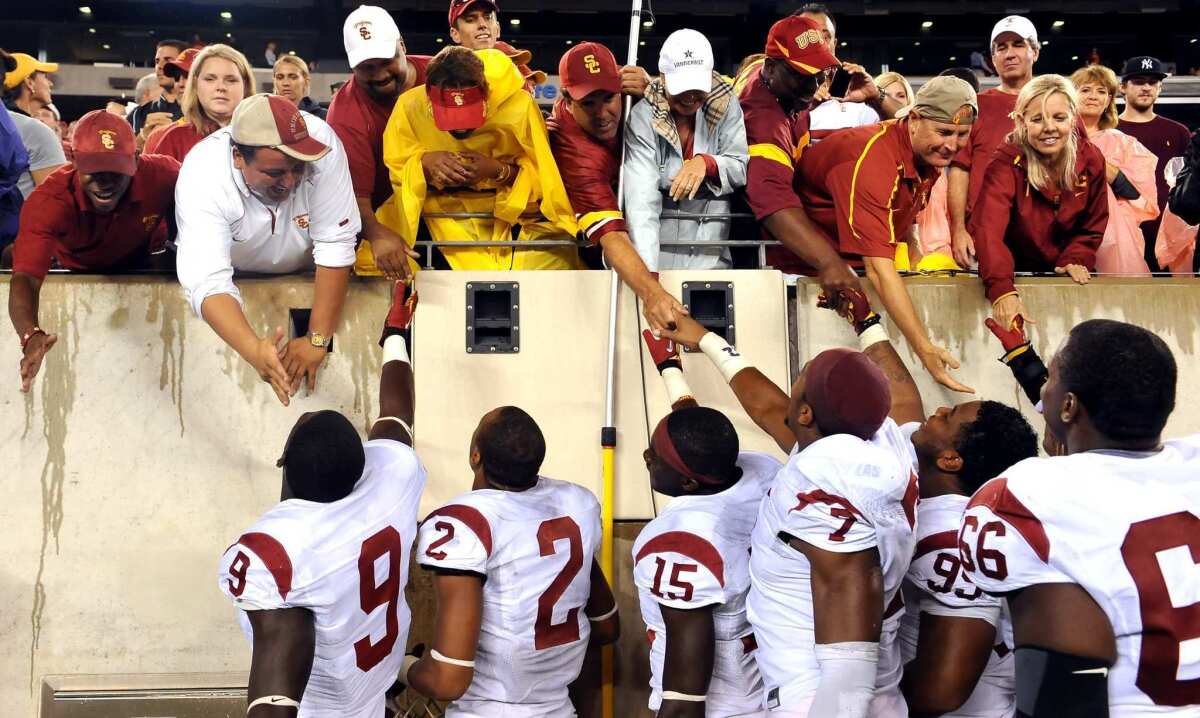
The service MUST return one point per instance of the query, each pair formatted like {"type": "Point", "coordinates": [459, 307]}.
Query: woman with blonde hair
{"type": "Point", "coordinates": [895, 92]}
{"type": "Point", "coordinates": [1044, 202]}
{"type": "Point", "coordinates": [1132, 187]}
{"type": "Point", "coordinates": [292, 80]}
{"type": "Point", "coordinates": [218, 77]}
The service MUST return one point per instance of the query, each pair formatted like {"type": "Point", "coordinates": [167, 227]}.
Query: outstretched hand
{"type": "Point", "coordinates": [32, 356]}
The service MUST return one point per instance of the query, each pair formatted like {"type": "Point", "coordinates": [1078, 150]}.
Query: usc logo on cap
{"type": "Point", "coordinates": [808, 37]}
{"type": "Point", "coordinates": [592, 64]}
{"type": "Point", "coordinates": [458, 99]}
{"type": "Point", "coordinates": [364, 30]}
{"type": "Point", "coordinates": [108, 139]}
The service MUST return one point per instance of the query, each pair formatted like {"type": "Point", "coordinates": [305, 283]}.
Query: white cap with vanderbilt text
{"type": "Point", "coordinates": [370, 33]}
{"type": "Point", "coordinates": [686, 62]}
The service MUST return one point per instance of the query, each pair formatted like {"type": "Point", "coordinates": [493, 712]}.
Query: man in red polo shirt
{"type": "Point", "coordinates": [359, 113]}
{"type": "Point", "coordinates": [865, 186]}
{"type": "Point", "coordinates": [107, 212]}
{"type": "Point", "coordinates": [1015, 49]}
{"type": "Point", "coordinates": [585, 136]}
{"type": "Point", "coordinates": [776, 94]}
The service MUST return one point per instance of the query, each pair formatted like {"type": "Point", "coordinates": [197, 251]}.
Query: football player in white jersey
{"type": "Point", "coordinates": [692, 562]}
{"type": "Point", "coordinates": [520, 595]}
{"type": "Point", "coordinates": [1097, 550]}
{"type": "Point", "coordinates": [319, 578]}
{"type": "Point", "coordinates": [836, 533]}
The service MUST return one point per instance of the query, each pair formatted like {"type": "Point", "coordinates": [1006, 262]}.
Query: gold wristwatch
{"type": "Point", "coordinates": [319, 340]}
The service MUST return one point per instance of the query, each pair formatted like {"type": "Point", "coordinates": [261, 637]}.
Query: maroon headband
{"type": "Point", "coordinates": [665, 448]}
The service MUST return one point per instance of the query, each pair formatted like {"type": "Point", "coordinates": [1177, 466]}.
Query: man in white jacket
{"type": "Point", "coordinates": [685, 151]}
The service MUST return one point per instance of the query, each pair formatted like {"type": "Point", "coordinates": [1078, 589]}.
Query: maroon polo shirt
{"type": "Point", "coordinates": [864, 188]}
{"type": "Point", "coordinates": [990, 130]}
{"type": "Point", "coordinates": [57, 221]}
{"type": "Point", "coordinates": [359, 122]}
{"type": "Point", "coordinates": [1018, 229]}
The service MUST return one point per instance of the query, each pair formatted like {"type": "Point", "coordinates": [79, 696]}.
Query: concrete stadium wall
{"type": "Point", "coordinates": [146, 445]}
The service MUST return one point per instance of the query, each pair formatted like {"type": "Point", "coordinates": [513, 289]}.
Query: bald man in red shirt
{"type": "Point", "coordinates": [864, 186]}
{"type": "Point", "coordinates": [109, 211]}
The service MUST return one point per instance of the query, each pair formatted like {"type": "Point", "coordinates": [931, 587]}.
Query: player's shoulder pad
{"type": "Point", "coordinates": [458, 535]}
{"type": "Point", "coordinates": [759, 464]}
{"type": "Point", "coordinates": [256, 573]}
{"type": "Point", "coordinates": [679, 568]}
{"type": "Point", "coordinates": [998, 498]}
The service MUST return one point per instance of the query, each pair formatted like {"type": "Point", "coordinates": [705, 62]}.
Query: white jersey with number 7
{"type": "Point", "coordinates": [1125, 526]}
{"type": "Point", "coordinates": [534, 549]}
{"type": "Point", "coordinates": [347, 562]}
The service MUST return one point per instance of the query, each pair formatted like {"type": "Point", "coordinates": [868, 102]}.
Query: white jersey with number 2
{"type": "Point", "coordinates": [1125, 526]}
{"type": "Point", "coordinates": [534, 549]}
{"type": "Point", "coordinates": [346, 562]}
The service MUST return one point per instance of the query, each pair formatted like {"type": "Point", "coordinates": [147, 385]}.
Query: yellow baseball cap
{"type": "Point", "coordinates": [26, 66]}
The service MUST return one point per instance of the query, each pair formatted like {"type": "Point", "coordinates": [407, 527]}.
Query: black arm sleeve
{"type": "Point", "coordinates": [1123, 188]}
{"type": "Point", "coordinates": [1030, 372]}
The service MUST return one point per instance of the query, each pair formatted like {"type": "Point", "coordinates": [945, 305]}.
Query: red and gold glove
{"type": "Point", "coordinates": [399, 317]}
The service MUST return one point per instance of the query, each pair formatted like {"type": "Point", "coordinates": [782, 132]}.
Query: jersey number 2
{"type": "Point", "coordinates": [1164, 626]}
{"type": "Point", "coordinates": [546, 633]}
{"type": "Point", "coordinates": [372, 595]}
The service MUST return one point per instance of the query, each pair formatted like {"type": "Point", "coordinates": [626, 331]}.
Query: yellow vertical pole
{"type": "Point", "coordinates": [606, 565]}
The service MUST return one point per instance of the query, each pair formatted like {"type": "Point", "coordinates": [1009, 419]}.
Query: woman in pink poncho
{"type": "Point", "coordinates": [1132, 192]}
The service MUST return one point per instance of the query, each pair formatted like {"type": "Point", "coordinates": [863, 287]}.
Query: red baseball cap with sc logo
{"type": "Point", "coordinates": [457, 108]}
{"type": "Point", "coordinates": [588, 67]}
{"type": "Point", "coordinates": [798, 41]}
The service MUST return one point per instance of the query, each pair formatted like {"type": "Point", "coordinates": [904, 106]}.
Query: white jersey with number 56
{"type": "Point", "coordinates": [534, 549]}
{"type": "Point", "coordinates": [1125, 526]}
{"type": "Point", "coordinates": [346, 562]}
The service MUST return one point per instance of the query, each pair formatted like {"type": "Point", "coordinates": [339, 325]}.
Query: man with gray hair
{"type": "Point", "coordinates": [1015, 49]}
{"type": "Point", "coordinates": [147, 89]}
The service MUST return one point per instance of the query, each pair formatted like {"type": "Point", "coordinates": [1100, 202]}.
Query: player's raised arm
{"type": "Point", "coordinates": [766, 404]}
{"type": "Point", "coordinates": [665, 353]}
{"type": "Point", "coordinates": [284, 641]}
{"type": "Point", "coordinates": [1019, 356]}
{"type": "Point", "coordinates": [396, 402]}
{"type": "Point", "coordinates": [874, 342]}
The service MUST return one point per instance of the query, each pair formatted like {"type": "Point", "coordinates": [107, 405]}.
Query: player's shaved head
{"type": "Point", "coordinates": [693, 443]}
{"type": "Point", "coordinates": [511, 447]}
{"type": "Point", "coordinates": [323, 458]}
{"type": "Point", "coordinates": [1122, 374]}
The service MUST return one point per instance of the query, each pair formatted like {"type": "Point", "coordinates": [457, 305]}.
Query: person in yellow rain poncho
{"type": "Point", "coordinates": [473, 141]}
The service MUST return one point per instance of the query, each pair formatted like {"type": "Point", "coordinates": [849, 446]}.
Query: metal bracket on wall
{"type": "Point", "coordinates": [711, 304]}
{"type": "Point", "coordinates": [493, 318]}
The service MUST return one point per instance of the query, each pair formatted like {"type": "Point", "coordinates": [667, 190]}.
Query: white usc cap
{"type": "Point", "coordinates": [1017, 24]}
{"type": "Point", "coordinates": [686, 62]}
{"type": "Point", "coordinates": [369, 33]}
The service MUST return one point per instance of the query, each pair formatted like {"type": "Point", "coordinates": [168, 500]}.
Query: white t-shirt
{"type": "Point", "coordinates": [696, 554]}
{"type": "Point", "coordinates": [936, 585]}
{"type": "Point", "coordinates": [535, 549]}
{"type": "Point", "coordinates": [1125, 527]}
{"type": "Point", "coordinates": [305, 554]}
{"type": "Point", "coordinates": [839, 494]}
{"type": "Point", "coordinates": [833, 115]}
{"type": "Point", "coordinates": [224, 228]}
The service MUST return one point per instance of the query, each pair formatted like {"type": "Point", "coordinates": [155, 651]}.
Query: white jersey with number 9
{"type": "Point", "coordinates": [347, 562]}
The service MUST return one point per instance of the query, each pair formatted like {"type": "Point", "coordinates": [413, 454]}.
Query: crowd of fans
{"type": "Point", "coordinates": [842, 172]}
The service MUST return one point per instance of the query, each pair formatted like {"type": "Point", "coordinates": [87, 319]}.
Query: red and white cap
{"type": "Point", "coordinates": [369, 33]}
{"type": "Point", "coordinates": [264, 120]}
{"type": "Point", "coordinates": [457, 109]}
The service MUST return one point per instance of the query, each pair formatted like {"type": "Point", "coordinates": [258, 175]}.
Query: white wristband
{"type": "Point", "coordinates": [677, 386]}
{"type": "Point", "coordinates": [283, 701]}
{"type": "Point", "coordinates": [605, 617]}
{"type": "Point", "coordinates": [677, 696]}
{"type": "Point", "coordinates": [395, 349]}
{"type": "Point", "coordinates": [399, 421]}
{"type": "Point", "coordinates": [872, 335]}
{"type": "Point", "coordinates": [433, 653]}
{"type": "Point", "coordinates": [725, 357]}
